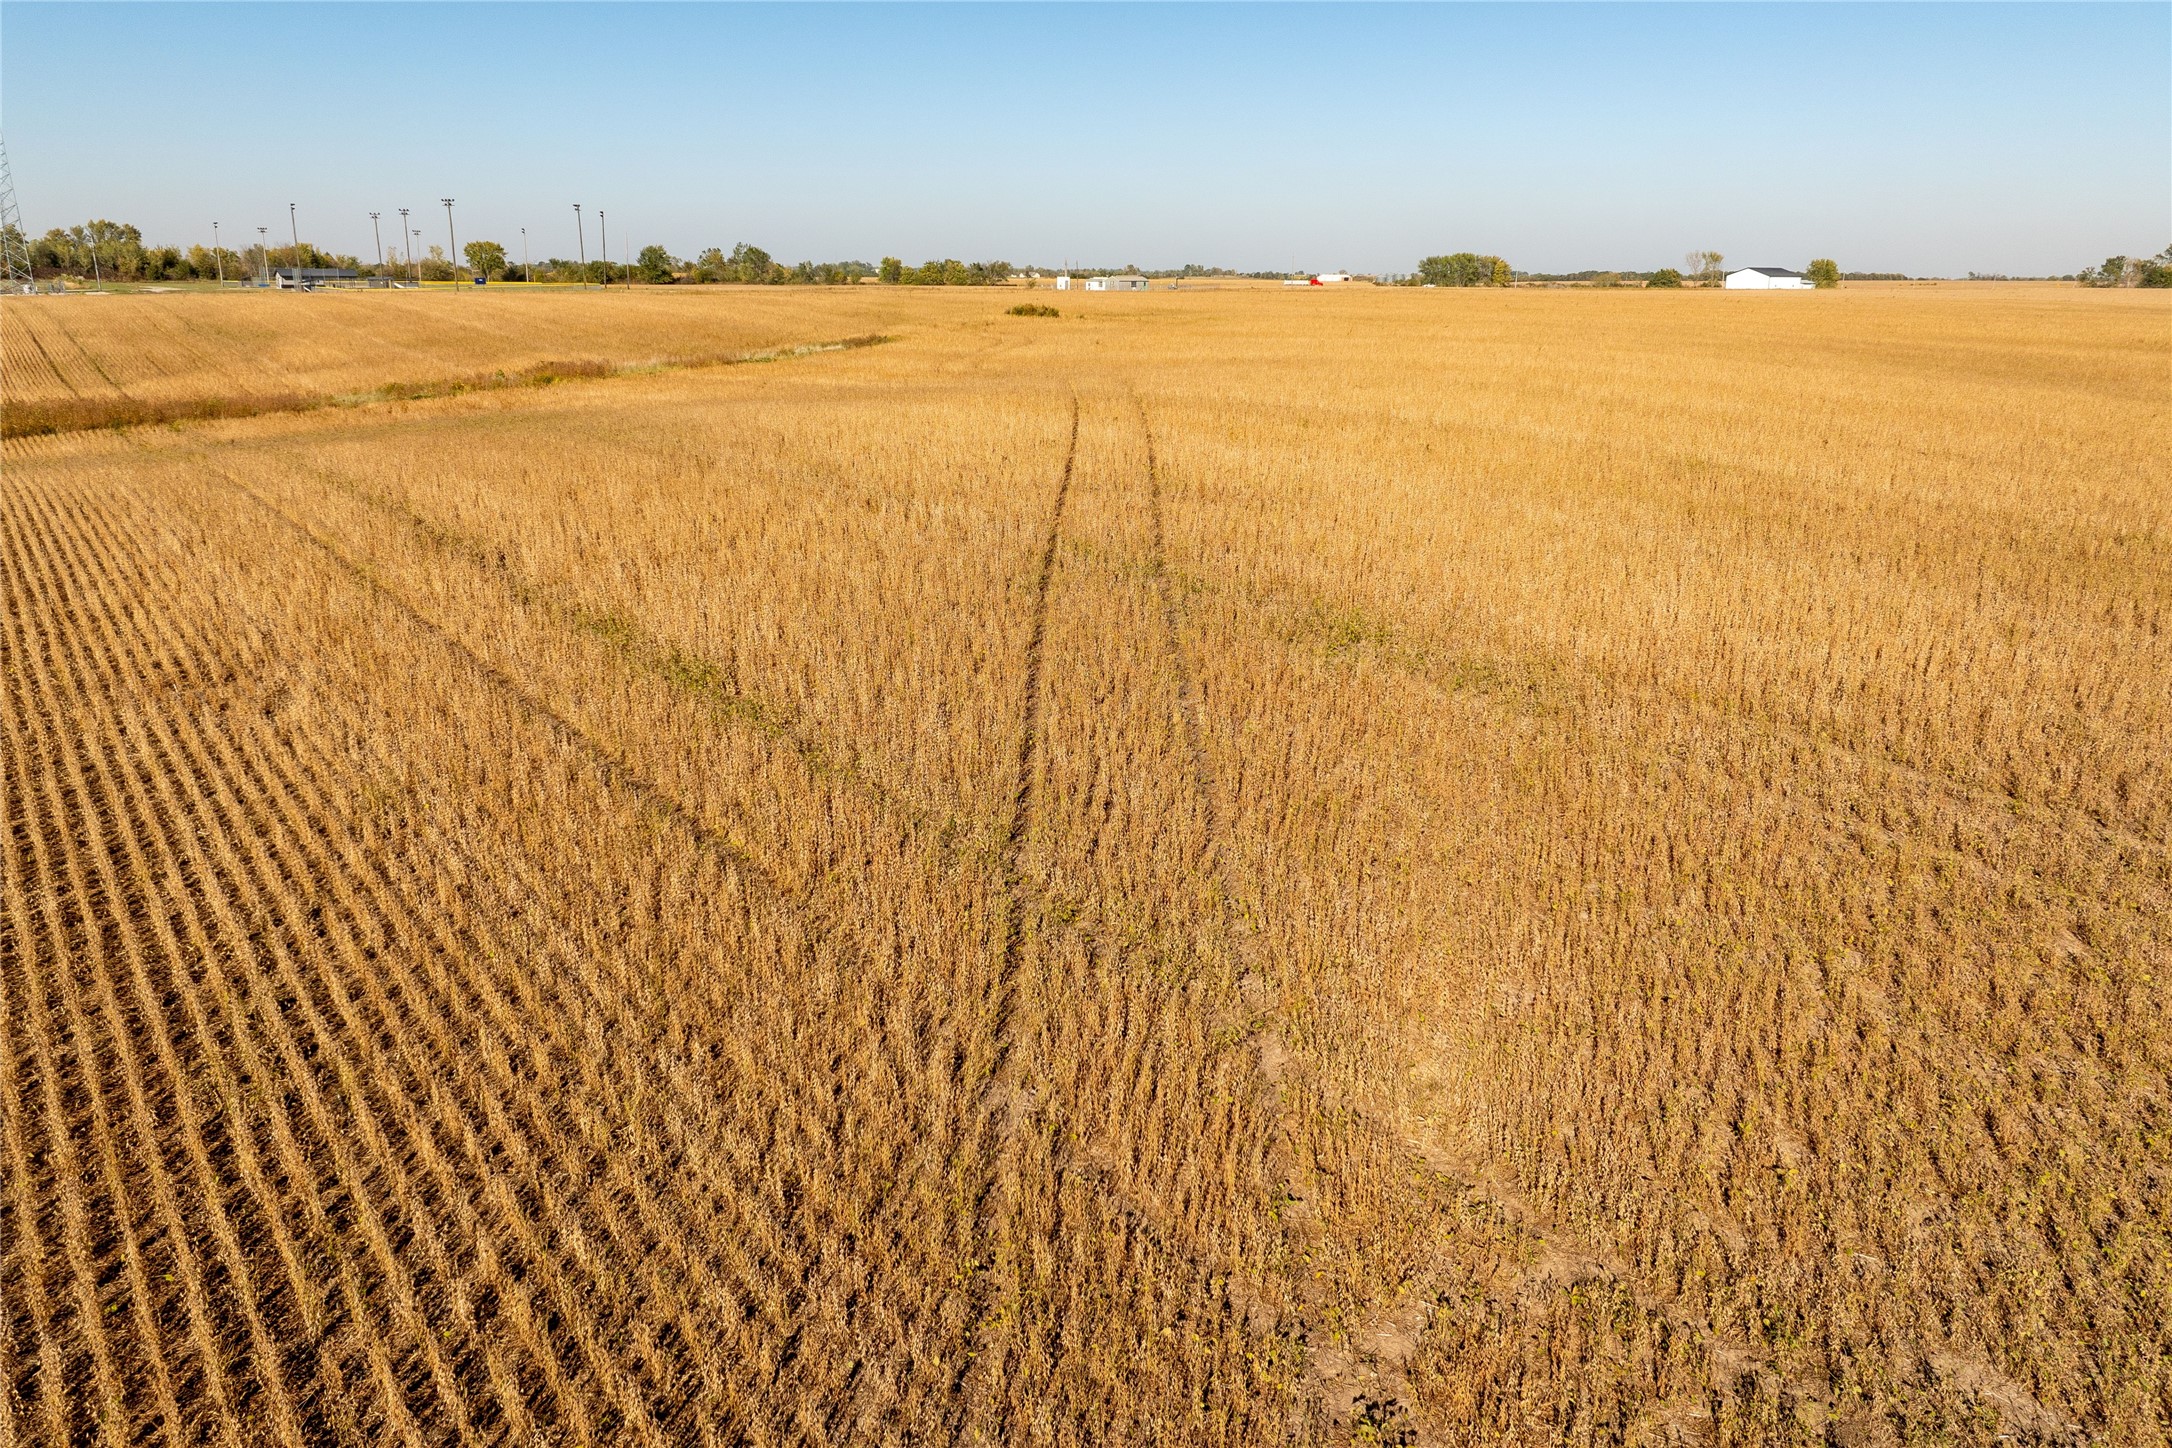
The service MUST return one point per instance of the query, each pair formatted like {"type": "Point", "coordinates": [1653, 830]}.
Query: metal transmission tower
{"type": "Point", "coordinates": [15, 248]}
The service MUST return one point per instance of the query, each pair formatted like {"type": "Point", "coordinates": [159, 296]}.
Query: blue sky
{"type": "Point", "coordinates": [1932, 139]}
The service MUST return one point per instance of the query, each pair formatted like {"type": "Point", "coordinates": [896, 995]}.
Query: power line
{"type": "Point", "coordinates": [15, 248]}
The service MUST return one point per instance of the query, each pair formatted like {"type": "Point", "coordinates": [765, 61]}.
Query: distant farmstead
{"type": "Point", "coordinates": [1767, 279]}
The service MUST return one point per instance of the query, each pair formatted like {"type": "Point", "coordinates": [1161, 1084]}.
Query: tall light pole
{"type": "Point", "coordinates": [603, 240]}
{"type": "Point", "coordinates": [216, 259]}
{"type": "Point", "coordinates": [582, 233]}
{"type": "Point", "coordinates": [263, 251]}
{"type": "Point", "coordinates": [527, 267]}
{"type": "Point", "coordinates": [98, 281]}
{"type": "Point", "coordinates": [379, 237]}
{"type": "Point", "coordinates": [413, 237]}
{"type": "Point", "coordinates": [454, 240]}
{"type": "Point", "coordinates": [294, 229]}
{"type": "Point", "coordinates": [408, 238]}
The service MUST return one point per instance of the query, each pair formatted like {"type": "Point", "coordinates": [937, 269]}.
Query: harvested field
{"type": "Point", "coordinates": [123, 361]}
{"type": "Point", "coordinates": [1244, 868]}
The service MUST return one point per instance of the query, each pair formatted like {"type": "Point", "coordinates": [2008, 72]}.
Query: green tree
{"type": "Point", "coordinates": [1824, 273]}
{"type": "Point", "coordinates": [1459, 269]}
{"type": "Point", "coordinates": [1463, 269]}
{"type": "Point", "coordinates": [749, 263]}
{"type": "Point", "coordinates": [1666, 276]}
{"type": "Point", "coordinates": [104, 248]}
{"type": "Point", "coordinates": [893, 270]}
{"type": "Point", "coordinates": [2111, 274]}
{"type": "Point", "coordinates": [485, 258]}
{"type": "Point", "coordinates": [656, 266]}
{"type": "Point", "coordinates": [2156, 271]}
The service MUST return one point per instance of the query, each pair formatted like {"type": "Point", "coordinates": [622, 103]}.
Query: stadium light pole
{"type": "Point", "coordinates": [294, 229]}
{"type": "Point", "coordinates": [454, 240]}
{"type": "Point", "coordinates": [603, 241]}
{"type": "Point", "coordinates": [380, 240]}
{"type": "Point", "coordinates": [527, 267]}
{"type": "Point", "coordinates": [414, 236]}
{"type": "Point", "coordinates": [217, 260]}
{"type": "Point", "coordinates": [263, 251]}
{"type": "Point", "coordinates": [582, 233]}
{"type": "Point", "coordinates": [407, 237]}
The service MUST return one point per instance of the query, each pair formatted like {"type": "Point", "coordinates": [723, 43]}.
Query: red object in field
{"type": "Point", "coordinates": [1315, 282]}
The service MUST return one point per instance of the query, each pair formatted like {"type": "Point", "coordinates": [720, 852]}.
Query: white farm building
{"type": "Point", "coordinates": [1116, 284]}
{"type": "Point", "coordinates": [1767, 279]}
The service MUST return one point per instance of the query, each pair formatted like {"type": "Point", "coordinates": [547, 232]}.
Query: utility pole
{"type": "Point", "coordinates": [263, 251]}
{"type": "Point", "coordinates": [294, 230]}
{"type": "Point", "coordinates": [604, 240]}
{"type": "Point", "coordinates": [583, 234]}
{"type": "Point", "coordinates": [216, 259]}
{"type": "Point", "coordinates": [379, 238]}
{"type": "Point", "coordinates": [452, 239]}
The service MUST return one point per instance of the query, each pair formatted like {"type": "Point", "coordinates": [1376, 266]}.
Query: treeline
{"type": "Point", "coordinates": [746, 264]}
{"type": "Point", "coordinates": [1699, 269]}
{"type": "Point", "coordinates": [2130, 271]}
{"type": "Point", "coordinates": [946, 273]}
{"type": "Point", "coordinates": [117, 251]}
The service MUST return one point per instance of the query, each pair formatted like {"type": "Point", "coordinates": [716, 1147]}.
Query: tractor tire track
{"type": "Point", "coordinates": [1028, 754]}
{"type": "Point", "coordinates": [996, 1109]}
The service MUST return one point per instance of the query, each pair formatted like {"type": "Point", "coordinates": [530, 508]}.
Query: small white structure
{"type": "Point", "coordinates": [1116, 284]}
{"type": "Point", "coordinates": [1063, 282]}
{"type": "Point", "coordinates": [1331, 278]}
{"type": "Point", "coordinates": [1767, 279]}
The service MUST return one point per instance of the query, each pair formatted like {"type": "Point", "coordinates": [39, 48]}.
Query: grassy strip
{"type": "Point", "coordinates": [81, 414]}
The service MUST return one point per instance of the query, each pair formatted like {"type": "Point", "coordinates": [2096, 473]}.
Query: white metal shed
{"type": "Point", "coordinates": [1767, 279]}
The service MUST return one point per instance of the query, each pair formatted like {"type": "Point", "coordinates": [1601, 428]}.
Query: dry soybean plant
{"type": "Point", "coordinates": [1396, 867]}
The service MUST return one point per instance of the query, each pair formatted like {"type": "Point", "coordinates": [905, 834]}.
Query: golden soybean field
{"type": "Point", "coordinates": [829, 867]}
